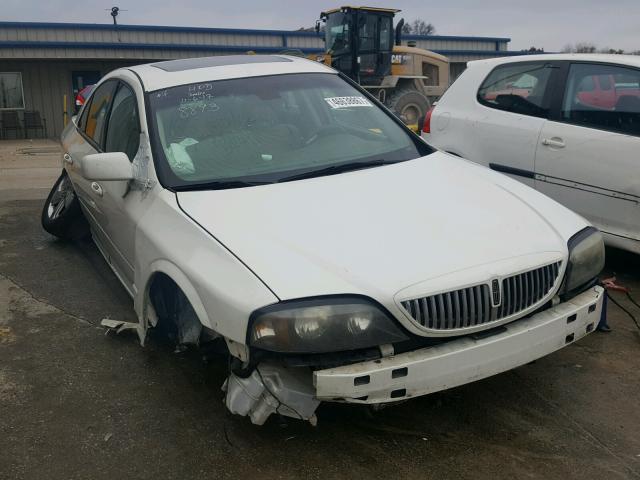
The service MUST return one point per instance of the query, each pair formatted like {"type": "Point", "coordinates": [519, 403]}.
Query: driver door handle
{"type": "Point", "coordinates": [554, 142]}
{"type": "Point", "coordinates": [97, 189]}
{"type": "Point", "coordinates": [67, 159]}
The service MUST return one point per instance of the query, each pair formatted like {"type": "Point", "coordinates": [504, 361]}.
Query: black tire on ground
{"type": "Point", "coordinates": [410, 105]}
{"type": "Point", "coordinates": [61, 214]}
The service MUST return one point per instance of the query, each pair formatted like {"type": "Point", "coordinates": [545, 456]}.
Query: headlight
{"type": "Point", "coordinates": [329, 324]}
{"type": "Point", "coordinates": [586, 259]}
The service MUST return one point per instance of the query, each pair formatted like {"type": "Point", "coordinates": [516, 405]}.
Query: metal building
{"type": "Point", "coordinates": [43, 65]}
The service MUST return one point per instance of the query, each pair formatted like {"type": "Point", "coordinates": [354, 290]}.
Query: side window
{"type": "Point", "coordinates": [367, 32]}
{"type": "Point", "coordinates": [386, 34]}
{"type": "Point", "coordinates": [518, 88]}
{"type": "Point", "coordinates": [97, 114]}
{"type": "Point", "coordinates": [123, 130]}
{"type": "Point", "coordinates": [432, 72]}
{"type": "Point", "coordinates": [618, 111]}
{"type": "Point", "coordinates": [82, 119]}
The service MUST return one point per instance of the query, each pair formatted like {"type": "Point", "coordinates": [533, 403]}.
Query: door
{"type": "Point", "coordinates": [375, 43]}
{"type": "Point", "coordinates": [513, 105]}
{"type": "Point", "coordinates": [110, 123]}
{"type": "Point", "coordinates": [121, 200]}
{"type": "Point", "coordinates": [86, 139]}
{"type": "Point", "coordinates": [588, 158]}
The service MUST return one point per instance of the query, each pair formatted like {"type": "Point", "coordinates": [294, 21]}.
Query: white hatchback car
{"type": "Point", "coordinates": [567, 125]}
{"type": "Point", "coordinates": [269, 202]}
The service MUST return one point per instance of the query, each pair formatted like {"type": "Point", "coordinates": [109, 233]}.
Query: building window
{"type": "Point", "coordinates": [11, 93]}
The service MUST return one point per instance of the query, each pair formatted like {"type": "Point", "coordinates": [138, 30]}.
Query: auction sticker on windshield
{"type": "Point", "coordinates": [347, 102]}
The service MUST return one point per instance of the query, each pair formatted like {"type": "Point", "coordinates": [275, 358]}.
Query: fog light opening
{"type": "Point", "coordinates": [401, 392]}
{"type": "Point", "coordinates": [400, 372]}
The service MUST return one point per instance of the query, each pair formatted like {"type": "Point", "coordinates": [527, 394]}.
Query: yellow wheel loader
{"type": "Point", "coordinates": [362, 43]}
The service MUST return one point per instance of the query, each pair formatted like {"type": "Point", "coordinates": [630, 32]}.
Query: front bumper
{"type": "Point", "coordinates": [463, 360]}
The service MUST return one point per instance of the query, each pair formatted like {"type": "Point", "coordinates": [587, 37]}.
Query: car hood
{"type": "Point", "coordinates": [381, 230]}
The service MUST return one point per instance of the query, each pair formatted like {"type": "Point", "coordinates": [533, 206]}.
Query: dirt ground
{"type": "Point", "coordinates": [77, 404]}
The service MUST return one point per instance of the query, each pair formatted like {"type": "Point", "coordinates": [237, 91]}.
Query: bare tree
{"type": "Point", "coordinates": [418, 27]}
{"type": "Point", "coordinates": [612, 51]}
{"type": "Point", "coordinates": [585, 47]}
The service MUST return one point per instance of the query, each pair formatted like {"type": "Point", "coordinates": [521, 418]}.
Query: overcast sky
{"type": "Point", "coordinates": [550, 24]}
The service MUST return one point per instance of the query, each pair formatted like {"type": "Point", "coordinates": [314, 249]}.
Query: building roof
{"type": "Point", "coordinates": [38, 40]}
{"type": "Point", "coordinates": [185, 29]}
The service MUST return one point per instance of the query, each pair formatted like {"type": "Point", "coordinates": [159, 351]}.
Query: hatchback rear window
{"type": "Point", "coordinates": [518, 88]}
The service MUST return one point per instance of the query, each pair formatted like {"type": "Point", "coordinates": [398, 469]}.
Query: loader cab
{"type": "Point", "coordinates": [360, 42]}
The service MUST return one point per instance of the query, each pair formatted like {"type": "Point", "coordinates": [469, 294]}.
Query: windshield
{"type": "Point", "coordinates": [268, 129]}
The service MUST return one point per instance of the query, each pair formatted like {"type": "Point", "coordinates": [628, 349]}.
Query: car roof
{"type": "Point", "coordinates": [160, 75]}
{"type": "Point", "coordinates": [631, 60]}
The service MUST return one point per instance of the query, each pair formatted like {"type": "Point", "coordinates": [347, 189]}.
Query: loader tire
{"type": "Point", "coordinates": [410, 106]}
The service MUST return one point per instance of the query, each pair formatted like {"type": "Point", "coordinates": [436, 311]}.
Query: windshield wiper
{"type": "Point", "coordinates": [334, 169]}
{"type": "Point", "coordinates": [218, 185]}
{"type": "Point", "coordinates": [330, 170]}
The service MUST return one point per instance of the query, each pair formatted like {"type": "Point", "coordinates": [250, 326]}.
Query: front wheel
{"type": "Point", "coordinates": [61, 214]}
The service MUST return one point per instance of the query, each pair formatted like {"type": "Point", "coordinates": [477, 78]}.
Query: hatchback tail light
{"type": "Point", "coordinates": [426, 126]}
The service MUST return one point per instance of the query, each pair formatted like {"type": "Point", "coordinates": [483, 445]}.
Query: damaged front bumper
{"type": "Point", "coordinates": [463, 360]}
{"type": "Point", "coordinates": [296, 392]}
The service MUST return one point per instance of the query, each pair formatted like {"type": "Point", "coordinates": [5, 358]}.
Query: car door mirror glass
{"type": "Point", "coordinates": [106, 166]}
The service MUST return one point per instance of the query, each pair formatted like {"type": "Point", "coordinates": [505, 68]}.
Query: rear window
{"type": "Point", "coordinates": [517, 88]}
{"type": "Point", "coordinates": [264, 129]}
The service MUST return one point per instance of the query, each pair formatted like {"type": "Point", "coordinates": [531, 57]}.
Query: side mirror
{"type": "Point", "coordinates": [106, 166]}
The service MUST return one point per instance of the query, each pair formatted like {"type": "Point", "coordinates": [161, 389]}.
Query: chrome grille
{"type": "Point", "coordinates": [481, 304]}
{"type": "Point", "coordinates": [521, 291]}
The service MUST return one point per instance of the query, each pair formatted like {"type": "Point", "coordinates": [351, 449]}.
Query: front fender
{"type": "Point", "coordinates": [221, 289]}
{"type": "Point", "coordinates": [181, 280]}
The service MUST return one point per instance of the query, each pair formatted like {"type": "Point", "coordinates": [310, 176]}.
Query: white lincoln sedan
{"type": "Point", "coordinates": [272, 205]}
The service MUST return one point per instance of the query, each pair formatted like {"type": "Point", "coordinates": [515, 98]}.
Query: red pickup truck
{"type": "Point", "coordinates": [604, 91]}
